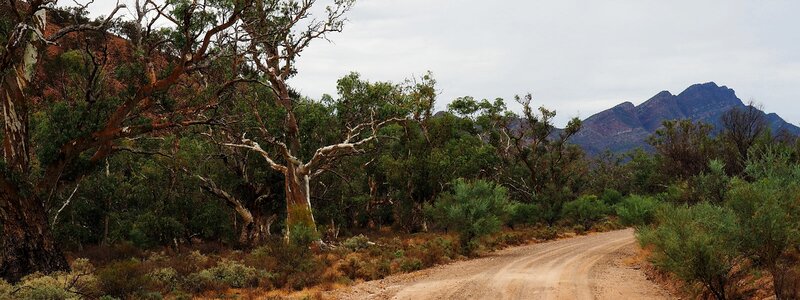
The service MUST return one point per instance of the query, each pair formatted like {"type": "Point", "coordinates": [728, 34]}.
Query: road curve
{"type": "Point", "coordinates": [585, 267]}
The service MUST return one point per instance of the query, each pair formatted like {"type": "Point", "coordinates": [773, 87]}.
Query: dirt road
{"type": "Point", "coordinates": [587, 267]}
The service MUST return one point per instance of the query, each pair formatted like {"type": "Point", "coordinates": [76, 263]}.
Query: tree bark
{"type": "Point", "coordinates": [298, 201]}
{"type": "Point", "coordinates": [27, 243]}
{"type": "Point", "coordinates": [18, 66]}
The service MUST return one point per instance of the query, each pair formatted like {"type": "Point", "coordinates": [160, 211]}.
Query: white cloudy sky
{"type": "Point", "coordinates": [578, 57]}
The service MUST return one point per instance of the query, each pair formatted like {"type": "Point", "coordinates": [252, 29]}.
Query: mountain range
{"type": "Point", "coordinates": [627, 126]}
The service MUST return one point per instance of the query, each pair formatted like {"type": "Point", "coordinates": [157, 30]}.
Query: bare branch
{"type": "Point", "coordinates": [86, 27]}
{"type": "Point", "coordinates": [66, 203]}
{"type": "Point", "coordinates": [253, 146]}
{"type": "Point", "coordinates": [324, 154]}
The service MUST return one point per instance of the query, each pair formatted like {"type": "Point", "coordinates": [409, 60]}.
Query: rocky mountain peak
{"type": "Point", "coordinates": [626, 126]}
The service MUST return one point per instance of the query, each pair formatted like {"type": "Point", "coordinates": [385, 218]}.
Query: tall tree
{"type": "Point", "coordinates": [684, 148]}
{"type": "Point", "coordinates": [278, 32]}
{"type": "Point", "coordinates": [741, 128]}
{"type": "Point", "coordinates": [539, 165]}
{"type": "Point", "coordinates": [101, 114]}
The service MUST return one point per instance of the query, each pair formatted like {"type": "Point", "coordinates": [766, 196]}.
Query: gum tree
{"type": "Point", "coordinates": [97, 109]}
{"type": "Point", "coordinates": [277, 33]}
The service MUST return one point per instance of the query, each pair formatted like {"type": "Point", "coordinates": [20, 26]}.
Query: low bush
{"type": "Point", "coordinates": [191, 262]}
{"type": "Point", "coordinates": [525, 214]}
{"type": "Point", "coordinates": [636, 210]}
{"type": "Point", "coordinates": [227, 274]}
{"type": "Point", "coordinates": [696, 243]}
{"type": "Point", "coordinates": [611, 197]}
{"type": "Point", "coordinates": [410, 264]}
{"type": "Point", "coordinates": [712, 185]}
{"type": "Point", "coordinates": [769, 214]}
{"type": "Point", "coordinates": [296, 267]}
{"type": "Point", "coordinates": [123, 278]}
{"type": "Point", "coordinates": [584, 211]}
{"type": "Point", "coordinates": [473, 209]}
{"type": "Point", "coordinates": [40, 287]}
{"type": "Point", "coordinates": [434, 251]}
{"type": "Point", "coordinates": [80, 283]}
{"type": "Point", "coordinates": [164, 279]}
{"type": "Point", "coordinates": [356, 243]}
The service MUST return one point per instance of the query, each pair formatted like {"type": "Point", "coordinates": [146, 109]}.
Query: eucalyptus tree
{"type": "Point", "coordinates": [120, 88]}
{"type": "Point", "coordinates": [277, 32]}
{"type": "Point", "coordinates": [538, 165]}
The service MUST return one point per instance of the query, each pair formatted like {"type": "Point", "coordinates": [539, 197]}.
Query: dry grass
{"type": "Point", "coordinates": [286, 273]}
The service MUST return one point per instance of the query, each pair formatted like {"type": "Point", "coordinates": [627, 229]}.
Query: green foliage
{"type": "Point", "coordinates": [356, 243]}
{"type": "Point", "coordinates": [769, 218]}
{"type": "Point", "coordinates": [227, 274]}
{"type": "Point", "coordinates": [165, 279]}
{"type": "Point", "coordinates": [525, 214]}
{"type": "Point", "coordinates": [41, 287]}
{"type": "Point", "coordinates": [80, 283]}
{"type": "Point", "coordinates": [772, 161]}
{"type": "Point", "coordinates": [684, 148]}
{"type": "Point", "coordinates": [291, 265]}
{"type": "Point", "coordinates": [301, 237]}
{"type": "Point", "coordinates": [711, 185]}
{"type": "Point", "coordinates": [636, 210]}
{"type": "Point", "coordinates": [473, 209]}
{"type": "Point", "coordinates": [697, 243]}
{"type": "Point", "coordinates": [585, 211]}
{"type": "Point", "coordinates": [123, 278]}
{"type": "Point", "coordinates": [611, 196]}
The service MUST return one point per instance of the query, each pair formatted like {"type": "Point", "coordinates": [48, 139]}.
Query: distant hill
{"type": "Point", "coordinates": [626, 127]}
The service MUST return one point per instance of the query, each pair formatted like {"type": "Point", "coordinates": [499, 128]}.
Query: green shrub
{"type": "Point", "coordinates": [636, 210]}
{"type": "Point", "coordinates": [771, 162]}
{"type": "Point", "coordinates": [262, 258]}
{"type": "Point", "coordinates": [710, 186]}
{"type": "Point", "coordinates": [301, 237]}
{"type": "Point", "coordinates": [697, 243]}
{"type": "Point", "coordinates": [584, 211]}
{"type": "Point", "coordinates": [40, 287]}
{"type": "Point", "coordinates": [77, 284]}
{"type": "Point", "coordinates": [201, 281]}
{"type": "Point", "coordinates": [410, 264]}
{"type": "Point", "coordinates": [769, 214]}
{"type": "Point", "coordinates": [356, 243]}
{"type": "Point", "coordinates": [525, 214]}
{"type": "Point", "coordinates": [436, 251]}
{"type": "Point", "coordinates": [473, 209]}
{"type": "Point", "coordinates": [165, 279]}
{"type": "Point", "coordinates": [293, 264]}
{"type": "Point", "coordinates": [611, 197]}
{"type": "Point", "coordinates": [232, 274]}
{"type": "Point", "coordinates": [123, 278]}
{"type": "Point", "coordinates": [80, 283]}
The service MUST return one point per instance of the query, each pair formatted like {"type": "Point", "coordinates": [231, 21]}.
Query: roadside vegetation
{"type": "Point", "coordinates": [728, 223]}
{"type": "Point", "coordinates": [178, 162]}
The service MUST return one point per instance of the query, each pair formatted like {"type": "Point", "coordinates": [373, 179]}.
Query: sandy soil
{"type": "Point", "coordinates": [597, 266]}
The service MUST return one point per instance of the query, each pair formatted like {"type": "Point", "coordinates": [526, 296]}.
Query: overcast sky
{"type": "Point", "coordinates": [577, 57]}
